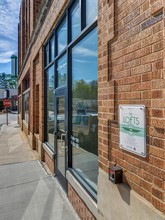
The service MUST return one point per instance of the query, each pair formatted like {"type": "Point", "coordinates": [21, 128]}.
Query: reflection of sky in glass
{"type": "Point", "coordinates": [91, 10]}
{"type": "Point", "coordinates": [62, 36]}
{"type": "Point", "coordinates": [50, 106]}
{"type": "Point", "coordinates": [62, 71]}
{"type": "Point", "coordinates": [84, 58]}
{"type": "Point", "coordinates": [84, 103]}
{"type": "Point", "coordinates": [75, 21]}
{"type": "Point", "coordinates": [51, 77]}
{"type": "Point", "coordinates": [47, 55]}
{"type": "Point", "coordinates": [52, 48]}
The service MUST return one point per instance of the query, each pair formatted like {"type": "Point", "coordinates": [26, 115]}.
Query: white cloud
{"type": "Point", "coordinates": [5, 57]}
{"type": "Point", "coordinates": [9, 14]}
{"type": "Point", "coordinates": [79, 50]}
{"type": "Point", "coordinates": [84, 61]}
{"type": "Point", "coordinates": [9, 11]}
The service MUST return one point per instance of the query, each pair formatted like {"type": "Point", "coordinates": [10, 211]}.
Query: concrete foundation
{"type": "Point", "coordinates": [120, 202]}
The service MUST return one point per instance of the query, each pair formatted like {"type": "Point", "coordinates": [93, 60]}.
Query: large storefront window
{"type": "Point", "coordinates": [26, 106]}
{"type": "Point", "coordinates": [50, 106]}
{"type": "Point", "coordinates": [75, 20]}
{"type": "Point", "coordinates": [47, 55]}
{"type": "Point", "coordinates": [62, 36]}
{"type": "Point", "coordinates": [84, 108]}
{"type": "Point", "coordinates": [19, 104]}
{"type": "Point", "coordinates": [72, 91]}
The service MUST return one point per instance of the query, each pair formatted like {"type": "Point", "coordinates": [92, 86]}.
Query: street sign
{"type": "Point", "coordinates": [6, 103]}
{"type": "Point", "coordinates": [133, 129]}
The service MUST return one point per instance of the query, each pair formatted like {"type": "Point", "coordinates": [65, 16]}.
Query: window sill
{"type": "Point", "coordinates": [25, 123]}
{"type": "Point", "coordinates": [26, 91]}
{"type": "Point", "coordinates": [48, 151]}
{"type": "Point", "coordinates": [36, 136]}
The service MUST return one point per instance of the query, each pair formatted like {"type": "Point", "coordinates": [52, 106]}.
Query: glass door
{"type": "Point", "coordinates": [61, 143]}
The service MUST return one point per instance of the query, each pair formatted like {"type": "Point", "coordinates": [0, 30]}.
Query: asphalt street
{"type": "Point", "coordinates": [11, 118]}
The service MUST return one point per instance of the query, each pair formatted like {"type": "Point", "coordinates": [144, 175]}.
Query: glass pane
{"type": "Point", "coordinates": [62, 71]}
{"type": "Point", "coordinates": [84, 109]}
{"type": "Point", "coordinates": [61, 134]}
{"type": "Point", "coordinates": [47, 55]}
{"type": "Point", "coordinates": [26, 107]}
{"type": "Point", "coordinates": [50, 106]}
{"type": "Point", "coordinates": [75, 21]}
{"type": "Point", "coordinates": [19, 105]}
{"type": "Point", "coordinates": [61, 36]}
{"type": "Point", "coordinates": [91, 11]}
{"type": "Point", "coordinates": [52, 49]}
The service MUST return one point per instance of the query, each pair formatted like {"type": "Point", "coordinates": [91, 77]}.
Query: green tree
{"type": "Point", "coordinates": [84, 90]}
{"type": "Point", "coordinates": [7, 81]}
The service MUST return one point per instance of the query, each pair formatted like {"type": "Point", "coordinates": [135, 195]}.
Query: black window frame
{"type": "Point", "coordinates": [56, 31]}
{"type": "Point", "coordinates": [26, 103]}
{"type": "Point", "coordinates": [84, 30]}
{"type": "Point", "coordinates": [70, 10]}
{"type": "Point", "coordinates": [46, 106]}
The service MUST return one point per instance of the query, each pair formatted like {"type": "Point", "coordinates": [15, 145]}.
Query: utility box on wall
{"type": "Point", "coordinates": [116, 174]}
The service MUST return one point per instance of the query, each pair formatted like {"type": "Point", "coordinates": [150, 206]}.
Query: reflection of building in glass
{"type": "Point", "coordinates": [14, 66]}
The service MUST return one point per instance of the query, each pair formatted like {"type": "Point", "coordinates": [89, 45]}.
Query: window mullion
{"type": "Point", "coordinates": [83, 13]}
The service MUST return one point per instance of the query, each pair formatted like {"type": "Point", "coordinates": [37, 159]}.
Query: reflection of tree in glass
{"type": "Point", "coordinates": [84, 90]}
{"type": "Point", "coordinates": [51, 95]}
{"type": "Point", "coordinates": [51, 82]}
{"type": "Point", "coordinates": [62, 79]}
{"type": "Point", "coordinates": [50, 92]}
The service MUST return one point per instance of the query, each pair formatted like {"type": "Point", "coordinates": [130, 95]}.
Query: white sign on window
{"type": "Point", "coordinates": [133, 129]}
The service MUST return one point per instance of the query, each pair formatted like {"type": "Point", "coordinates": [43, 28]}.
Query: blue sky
{"type": "Point", "coordinates": [9, 15]}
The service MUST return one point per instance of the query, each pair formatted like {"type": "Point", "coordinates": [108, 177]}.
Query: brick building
{"type": "Point", "coordinates": [82, 64]}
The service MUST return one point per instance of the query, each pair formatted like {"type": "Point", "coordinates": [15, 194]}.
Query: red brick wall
{"type": "Point", "coordinates": [28, 15]}
{"type": "Point", "coordinates": [78, 204]}
{"type": "Point", "coordinates": [134, 74]}
{"type": "Point", "coordinates": [22, 32]}
{"type": "Point", "coordinates": [49, 162]}
{"type": "Point", "coordinates": [19, 47]}
{"type": "Point", "coordinates": [25, 129]}
{"type": "Point", "coordinates": [19, 120]}
{"type": "Point", "coordinates": [27, 22]}
{"type": "Point", "coordinates": [36, 110]}
{"type": "Point", "coordinates": [31, 17]}
{"type": "Point", "coordinates": [36, 7]}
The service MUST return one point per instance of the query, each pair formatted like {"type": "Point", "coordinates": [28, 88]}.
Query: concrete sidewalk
{"type": "Point", "coordinates": [27, 191]}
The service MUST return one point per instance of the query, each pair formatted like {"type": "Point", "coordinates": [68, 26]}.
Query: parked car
{"type": "Point", "coordinates": [51, 121]}
{"type": "Point", "coordinates": [84, 123]}
{"type": "Point", "coordinates": [84, 127]}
